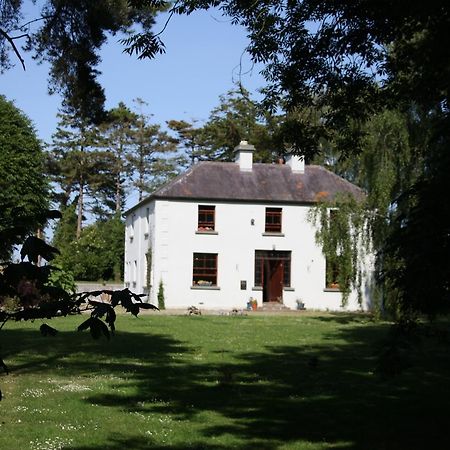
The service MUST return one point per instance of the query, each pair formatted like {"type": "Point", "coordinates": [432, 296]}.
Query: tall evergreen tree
{"type": "Point", "coordinates": [191, 140]}
{"type": "Point", "coordinates": [117, 138]}
{"type": "Point", "coordinates": [153, 158]}
{"type": "Point", "coordinates": [238, 118]}
{"type": "Point", "coordinates": [76, 168]}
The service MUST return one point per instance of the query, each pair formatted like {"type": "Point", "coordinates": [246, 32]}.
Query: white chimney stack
{"type": "Point", "coordinates": [244, 155]}
{"type": "Point", "coordinates": [296, 163]}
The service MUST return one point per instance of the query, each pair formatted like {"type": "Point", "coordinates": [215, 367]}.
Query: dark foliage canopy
{"type": "Point", "coordinates": [23, 188]}
{"type": "Point", "coordinates": [69, 34]}
{"type": "Point", "coordinates": [347, 58]}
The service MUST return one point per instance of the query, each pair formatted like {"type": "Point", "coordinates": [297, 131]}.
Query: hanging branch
{"type": "Point", "coordinates": [13, 45]}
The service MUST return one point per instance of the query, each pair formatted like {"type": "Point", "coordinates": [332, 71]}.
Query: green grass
{"type": "Point", "coordinates": [216, 382]}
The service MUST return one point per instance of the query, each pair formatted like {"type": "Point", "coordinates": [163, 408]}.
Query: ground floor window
{"type": "Point", "coordinates": [332, 274]}
{"type": "Point", "coordinates": [204, 269]}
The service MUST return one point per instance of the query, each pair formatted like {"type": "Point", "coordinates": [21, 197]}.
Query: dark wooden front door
{"type": "Point", "coordinates": [272, 273]}
{"type": "Point", "coordinates": [273, 280]}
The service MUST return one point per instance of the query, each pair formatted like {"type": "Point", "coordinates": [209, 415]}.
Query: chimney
{"type": "Point", "coordinates": [296, 163]}
{"type": "Point", "coordinates": [244, 155]}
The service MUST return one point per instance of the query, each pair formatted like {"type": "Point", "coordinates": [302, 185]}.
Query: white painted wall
{"type": "Point", "coordinates": [172, 233]}
{"type": "Point", "coordinates": [139, 238]}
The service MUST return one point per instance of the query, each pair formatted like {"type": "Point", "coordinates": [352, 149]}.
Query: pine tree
{"type": "Point", "coordinates": [117, 140]}
{"type": "Point", "coordinates": [72, 163]}
{"type": "Point", "coordinates": [153, 159]}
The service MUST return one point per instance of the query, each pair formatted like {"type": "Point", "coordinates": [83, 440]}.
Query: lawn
{"type": "Point", "coordinates": [219, 382]}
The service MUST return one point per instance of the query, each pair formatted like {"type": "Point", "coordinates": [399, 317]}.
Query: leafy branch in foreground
{"type": "Point", "coordinates": [27, 293]}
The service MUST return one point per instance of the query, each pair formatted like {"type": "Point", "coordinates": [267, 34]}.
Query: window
{"type": "Point", "coordinates": [147, 222]}
{"type": "Point", "coordinates": [273, 220]}
{"type": "Point", "coordinates": [332, 274]}
{"type": "Point", "coordinates": [206, 217]}
{"type": "Point", "coordinates": [134, 274]}
{"type": "Point", "coordinates": [131, 228]}
{"type": "Point", "coordinates": [204, 269]}
{"type": "Point", "coordinates": [267, 262]}
{"type": "Point", "coordinates": [126, 275]}
{"type": "Point", "coordinates": [332, 264]}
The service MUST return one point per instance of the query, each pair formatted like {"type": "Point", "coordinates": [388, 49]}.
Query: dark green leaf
{"type": "Point", "coordinates": [34, 247]}
{"type": "Point", "coordinates": [4, 366]}
{"type": "Point", "coordinates": [85, 325]}
{"type": "Point", "coordinates": [47, 330]}
{"type": "Point", "coordinates": [147, 306]}
{"type": "Point", "coordinates": [98, 328]}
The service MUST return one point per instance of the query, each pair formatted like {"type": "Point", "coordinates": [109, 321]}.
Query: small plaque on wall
{"type": "Point", "coordinates": [243, 285]}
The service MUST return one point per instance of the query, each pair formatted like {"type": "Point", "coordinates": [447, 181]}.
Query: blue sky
{"type": "Point", "coordinates": [203, 53]}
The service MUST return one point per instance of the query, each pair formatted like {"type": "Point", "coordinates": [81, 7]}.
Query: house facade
{"type": "Point", "coordinates": [222, 234]}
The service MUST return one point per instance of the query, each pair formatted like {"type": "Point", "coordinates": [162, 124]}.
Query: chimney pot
{"type": "Point", "coordinates": [296, 163]}
{"type": "Point", "coordinates": [244, 155]}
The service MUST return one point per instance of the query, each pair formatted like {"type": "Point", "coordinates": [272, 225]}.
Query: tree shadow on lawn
{"type": "Point", "coordinates": [328, 395]}
{"type": "Point", "coordinates": [78, 354]}
{"type": "Point", "coordinates": [344, 318]}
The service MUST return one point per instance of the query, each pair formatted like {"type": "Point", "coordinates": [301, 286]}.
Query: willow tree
{"type": "Point", "coordinates": [390, 163]}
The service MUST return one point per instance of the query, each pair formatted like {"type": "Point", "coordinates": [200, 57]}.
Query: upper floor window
{"type": "Point", "coordinates": [147, 221]}
{"type": "Point", "coordinates": [206, 217]}
{"type": "Point", "coordinates": [204, 269]}
{"type": "Point", "coordinates": [273, 220]}
{"type": "Point", "coordinates": [131, 228]}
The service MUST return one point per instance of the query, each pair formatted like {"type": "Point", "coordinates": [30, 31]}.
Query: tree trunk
{"type": "Point", "coordinates": [118, 193]}
{"type": "Point", "coordinates": [141, 172]}
{"type": "Point", "coordinates": [39, 236]}
{"type": "Point", "coordinates": [80, 208]}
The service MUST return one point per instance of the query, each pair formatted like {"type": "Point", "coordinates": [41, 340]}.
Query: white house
{"type": "Point", "coordinates": [221, 234]}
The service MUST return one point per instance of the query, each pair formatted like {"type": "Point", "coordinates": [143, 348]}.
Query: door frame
{"type": "Point", "coordinates": [272, 268]}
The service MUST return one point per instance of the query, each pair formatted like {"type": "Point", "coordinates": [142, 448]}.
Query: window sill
{"type": "Point", "coordinates": [206, 232]}
{"type": "Point", "coordinates": [273, 234]}
{"type": "Point", "coordinates": [332, 290]}
{"type": "Point", "coordinates": [206, 288]}
{"type": "Point", "coordinates": [257, 288]}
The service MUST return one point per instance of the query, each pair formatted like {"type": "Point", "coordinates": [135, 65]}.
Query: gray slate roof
{"type": "Point", "coordinates": [270, 183]}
